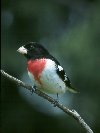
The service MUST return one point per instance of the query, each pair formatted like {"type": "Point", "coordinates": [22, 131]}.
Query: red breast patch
{"type": "Point", "coordinates": [36, 67]}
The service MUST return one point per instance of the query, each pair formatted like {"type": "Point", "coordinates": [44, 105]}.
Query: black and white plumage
{"type": "Point", "coordinates": [44, 70]}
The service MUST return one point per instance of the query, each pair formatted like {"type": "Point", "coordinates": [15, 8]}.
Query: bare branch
{"type": "Point", "coordinates": [72, 113]}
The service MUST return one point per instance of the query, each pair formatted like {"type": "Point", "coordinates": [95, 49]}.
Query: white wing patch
{"type": "Point", "coordinates": [65, 78]}
{"type": "Point", "coordinates": [60, 68]}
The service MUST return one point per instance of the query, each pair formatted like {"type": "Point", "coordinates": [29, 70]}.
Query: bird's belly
{"type": "Point", "coordinates": [51, 82]}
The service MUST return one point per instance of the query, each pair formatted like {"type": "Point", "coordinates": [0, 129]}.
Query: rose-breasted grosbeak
{"type": "Point", "coordinates": [44, 70]}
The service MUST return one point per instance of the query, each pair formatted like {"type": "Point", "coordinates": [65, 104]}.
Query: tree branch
{"type": "Point", "coordinates": [72, 113]}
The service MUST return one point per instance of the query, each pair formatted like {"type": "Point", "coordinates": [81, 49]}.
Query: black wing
{"type": "Point", "coordinates": [62, 73]}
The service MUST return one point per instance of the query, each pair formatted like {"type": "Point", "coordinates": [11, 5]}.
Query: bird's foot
{"type": "Point", "coordinates": [56, 101]}
{"type": "Point", "coordinates": [33, 89]}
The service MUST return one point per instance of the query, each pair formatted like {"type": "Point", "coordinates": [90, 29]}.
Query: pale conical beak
{"type": "Point", "coordinates": [22, 50]}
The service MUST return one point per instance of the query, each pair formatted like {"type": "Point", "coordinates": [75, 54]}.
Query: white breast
{"type": "Point", "coordinates": [52, 83]}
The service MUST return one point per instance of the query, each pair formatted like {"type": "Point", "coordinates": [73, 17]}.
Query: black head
{"type": "Point", "coordinates": [33, 50]}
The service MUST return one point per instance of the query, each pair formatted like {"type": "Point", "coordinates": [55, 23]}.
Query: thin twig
{"type": "Point", "coordinates": [72, 113]}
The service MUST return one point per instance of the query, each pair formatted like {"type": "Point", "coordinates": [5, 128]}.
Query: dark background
{"type": "Point", "coordinates": [70, 30]}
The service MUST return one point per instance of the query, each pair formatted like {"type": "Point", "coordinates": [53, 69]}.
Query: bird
{"type": "Point", "coordinates": [44, 70]}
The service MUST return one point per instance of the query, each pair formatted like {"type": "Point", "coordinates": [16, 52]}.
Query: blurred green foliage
{"type": "Point", "coordinates": [70, 30]}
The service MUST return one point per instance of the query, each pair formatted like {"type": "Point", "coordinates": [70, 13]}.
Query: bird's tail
{"type": "Point", "coordinates": [73, 90]}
